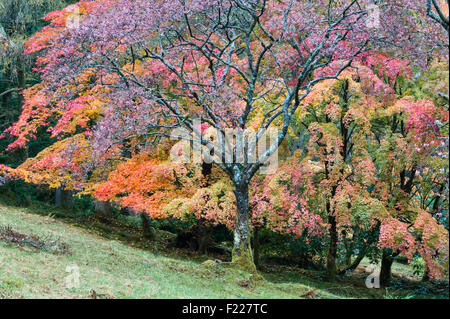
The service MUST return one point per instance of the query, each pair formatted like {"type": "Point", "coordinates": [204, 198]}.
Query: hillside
{"type": "Point", "coordinates": [111, 268]}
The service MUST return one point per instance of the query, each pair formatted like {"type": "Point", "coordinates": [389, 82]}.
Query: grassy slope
{"type": "Point", "coordinates": [110, 267]}
{"type": "Point", "coordinates": [118, 270]}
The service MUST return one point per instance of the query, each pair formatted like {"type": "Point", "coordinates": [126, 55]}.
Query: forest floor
{"type": "Point", "coordinates": [42, 252]}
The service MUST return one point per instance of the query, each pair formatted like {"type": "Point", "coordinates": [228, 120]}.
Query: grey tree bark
{"type": "Point", "coordinates": [242, 251]}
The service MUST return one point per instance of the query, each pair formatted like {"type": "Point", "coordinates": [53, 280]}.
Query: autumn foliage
{"type": "Point", "coordinates": [363, 130]}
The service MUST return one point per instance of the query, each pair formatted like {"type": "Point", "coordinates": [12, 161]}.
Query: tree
{"type": "Point", "coordinates": [236, 64]}
{"type": "Point", "coordinates": [19, 19]}
{"type": "Point", "coordinates": [218, 60]}
{"type": "Point", "coordinates": [326, 190]}
{"type": "Point", "coordinates": [413, 177]}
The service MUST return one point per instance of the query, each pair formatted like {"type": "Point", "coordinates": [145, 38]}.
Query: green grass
{"type": "Point", "coordinates": [114, 266]}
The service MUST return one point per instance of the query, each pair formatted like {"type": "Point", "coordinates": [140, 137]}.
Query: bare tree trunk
{"type": "Point", "coordinates": [58, 196]}
{"type": "Point", "coordinates": [148, 231]}
{"type": "Point", "coordinates": [28, 200]}
{"type": "Point", "coordinates": [387, 259]}
{"type": "Point", "coordinates": [426, 276]}
{"type": "Point", "coordinates": [204, 241]}
{"type": "Point", "coordinates": [348, 243]}
{"type": "Point", "coordinates": [256, 245]}
{"type": "Point", "coordinates": [67, 201]}
{"type": "Point", "coordinates": [332, 250]}
{"type": "Point", "coordinates": [242, 252]}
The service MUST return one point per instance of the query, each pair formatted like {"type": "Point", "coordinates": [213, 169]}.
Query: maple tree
{"type": "Point", "coordinates": [412, 162]}
{"type": "Point", "coordinates": [412, 188]}
{"type": "Point", "coordinates": [325, 189]}
{"type": "Point", "coordinates": [362, 175]}
{"type": "Point", "coordinates": [19, 19]}
{"type": "Point", "coordinates": [177, 60]}
{"type": "Point", "coordinates": [114, 88]}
